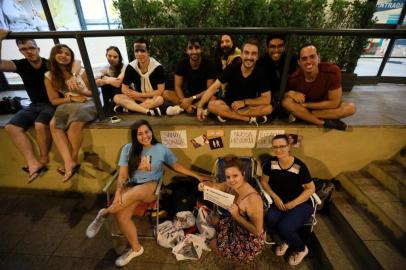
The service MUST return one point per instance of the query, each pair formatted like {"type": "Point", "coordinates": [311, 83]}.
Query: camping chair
{"type": "Point", "coordinates": [307, 228]}
{"type": "Point", "coordinates": [151, 210]}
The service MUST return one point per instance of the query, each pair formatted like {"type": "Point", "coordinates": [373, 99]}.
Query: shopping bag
{"type": "Point", "coordinates": [167, 235]}
{"type": "Point", "coordinates": [190, 248]}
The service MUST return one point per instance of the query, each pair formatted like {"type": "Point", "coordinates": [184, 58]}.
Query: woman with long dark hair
{"type": "Point", "coordinates": [75, 107]}
{"type": "Point", "coordinates": [141, 166]}
{"type": "Point", "coordinates": [287, 180]}
{"type": "Point", "coordinates": [240, 236]}
{"type": "Point", "coordinates": [111, 77]}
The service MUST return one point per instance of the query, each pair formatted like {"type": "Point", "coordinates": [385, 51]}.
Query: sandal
{"type": "Point", "coordinates": [71, 173]}
{"type": "Point", "coordinates": [40, 171]}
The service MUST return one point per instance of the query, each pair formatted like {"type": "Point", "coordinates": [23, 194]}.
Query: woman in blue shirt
{"type": "Point", "coordinates": [141, 166]}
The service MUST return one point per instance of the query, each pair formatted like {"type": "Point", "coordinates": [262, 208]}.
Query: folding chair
{"type": "Point", "coordinates": [307, 228]}
{"type": "Point", "coordinates": [144, 209]}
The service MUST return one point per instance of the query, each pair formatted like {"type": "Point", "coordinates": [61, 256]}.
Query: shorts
{"type": "Point", "coordinates": [38, 112]}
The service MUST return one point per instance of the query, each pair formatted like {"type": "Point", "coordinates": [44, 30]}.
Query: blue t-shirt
{"type": "Point", "coordinates": [155, 156]}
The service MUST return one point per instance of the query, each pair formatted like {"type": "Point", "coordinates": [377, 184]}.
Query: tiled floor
{"type": "Point", "coordinates": [47, 231]}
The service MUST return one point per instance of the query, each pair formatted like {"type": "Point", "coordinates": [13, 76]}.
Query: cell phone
{"type": "Point", "coordinates": [115, 119]}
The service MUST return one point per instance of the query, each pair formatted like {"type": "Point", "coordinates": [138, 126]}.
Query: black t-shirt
{"type": "Point", "coordinates": [286, 183]}
{"type": "Point", "coordinates": [33, 79]}
{"type": "Point", "coordinates": [195, 80]}
{"type": "Point", "coordinates": [239, 88]}
{"type": "Point", "coordinates": [156, 77]}
{"type": "Point", "coordinates": [274, 69]}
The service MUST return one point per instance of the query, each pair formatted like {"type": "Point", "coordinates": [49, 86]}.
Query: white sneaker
{"type": "Point", "coordinates": [119, 109]}
{"type": "Point", "coordinates": [174, 110]}
{"type": "Point", "coordinates": [96, 225]}
{"type": "Point", "coordinates": [297, 257]}
{"type": "Point", "coordinates": [253, 120]}
{"type": "Point", "coordinates": [128, 256]}
{"type": "Point", "coordinates": [281, 249]}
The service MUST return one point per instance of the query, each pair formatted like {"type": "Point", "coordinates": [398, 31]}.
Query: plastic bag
{"type": "Point", "coordinates": [191, 248]}
{"type": "Point", "coordinates": [167, 235]}
{"type": "Point", "coordinates": [203, 222]}
{"type": "Point", "coordinates": [184, 220]}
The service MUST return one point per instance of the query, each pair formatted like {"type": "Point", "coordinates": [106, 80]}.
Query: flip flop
{"type": "Point", "coordinates": [71, 173]}
{"type": "Point", "coordinates": [61, 171]}
{"type": "Point", "coordinates": [40, 171]}
{"type": "Point", "coordinates": [25, 169]}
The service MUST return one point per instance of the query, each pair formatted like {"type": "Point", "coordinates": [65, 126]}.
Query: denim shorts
{"type": "Point", "coordinates": [38, 112]}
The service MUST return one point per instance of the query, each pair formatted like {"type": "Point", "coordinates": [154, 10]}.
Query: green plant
{"type": "Point", "coordinates": [344, 51]}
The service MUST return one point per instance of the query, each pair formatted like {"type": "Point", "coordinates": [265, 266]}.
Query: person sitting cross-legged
{"type": "Point", "coordinates": [193, 76]}
{"type": "Point", "coordinates": [147, 76]}
{"type": "Point", "coordinates": [247, 98]}
{"type": "Point", "coordinates": [314, 92]}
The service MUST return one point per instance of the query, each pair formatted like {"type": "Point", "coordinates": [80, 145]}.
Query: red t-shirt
{"type": "Point", "coordinates": [329, 78]}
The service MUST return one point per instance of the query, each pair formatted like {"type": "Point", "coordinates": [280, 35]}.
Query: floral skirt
{"type": "Point", "coordinates": [236, 242]}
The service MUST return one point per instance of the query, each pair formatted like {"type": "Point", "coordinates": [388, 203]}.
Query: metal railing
{"type": "Point", "coordinates": [291, 33]}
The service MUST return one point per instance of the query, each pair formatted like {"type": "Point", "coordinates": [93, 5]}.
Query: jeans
{"type": "Point", "coordinates": [288, 223]}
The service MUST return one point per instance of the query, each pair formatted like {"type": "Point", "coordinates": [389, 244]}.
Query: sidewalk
{"type": "Point", "coordinates": [45, 230]}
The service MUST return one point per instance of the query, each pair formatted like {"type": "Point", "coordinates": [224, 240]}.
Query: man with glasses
{"type": "Point", "coordinates": [193, 76]}
{"type": "Point", "coordinates": [247, 98]}
{"type": "Point", "coordinates": [274, 61]}
{"type": "Point", "coordinates": [314, 92]}
{"type": "Point", "coordinates": [31, 70]}
{"type": "Point", "coordinates": [147, 76]}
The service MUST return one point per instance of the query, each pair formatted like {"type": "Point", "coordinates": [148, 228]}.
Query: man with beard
{"type": "Point", "coordinates": [314, 92]}
{"type": "Point", "coordinates": [226, 53]}
{"type": "Point", "coordinates": [273, 62]}
{"type": "Point", "coordinates": [193, 76]}
{"type": "Point", "coordinates": [248, 96]}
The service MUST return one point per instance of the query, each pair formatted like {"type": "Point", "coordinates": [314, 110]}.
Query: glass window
{"type": "Point", "coordinates": [395, 67]}
{"type": "Point", "coordinates": [64, 15]}
{"type": "Point", "coordinates": [100, 13]}
{"type": "Point", "coordinates": [23, 16]}
{"type": "Point", "coordinates": [367, 66]}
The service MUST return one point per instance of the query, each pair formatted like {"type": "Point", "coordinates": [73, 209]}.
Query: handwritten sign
{"type": "Point", "coordinates": [265, 137]}
{"type": "Point", "coordinates": [174, 138]}
{"type": "Point", "coordinates": [222, 199]}
{"type": "Point", "coordinates": [243, 138]}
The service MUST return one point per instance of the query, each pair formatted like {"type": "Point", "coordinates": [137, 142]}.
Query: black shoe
{"type": "Point", "coordinates": [119, 109]}
{"type": "Point", "coordinates": [262, 119]}
{"type": "Point", "coordinates": [154, 112]}
{"type": "Point", "coordinates": [335, 124]}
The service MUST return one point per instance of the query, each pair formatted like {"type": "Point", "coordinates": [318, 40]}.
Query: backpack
{"type": "Point", "coordinates": [324, 189]}
{"type": "Point", "coordinates": [10, 105]}
{"type": "Point", "coordinates": [180, 195]}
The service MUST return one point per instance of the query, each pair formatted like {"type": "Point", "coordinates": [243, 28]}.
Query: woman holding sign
{"type": "Point", "coordinates": [241, 235]}
{"type": "Point", "coordinates": [141, 166]}
{"type": "Point", "coordinates": [287, 180]}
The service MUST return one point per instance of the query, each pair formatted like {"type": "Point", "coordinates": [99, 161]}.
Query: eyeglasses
{"type": "Point", "coordinates": [28, 49]}
{"type": "Point", "coordinates": [279, 147]}
{"type": "Point", "coordinates": [279, 46]}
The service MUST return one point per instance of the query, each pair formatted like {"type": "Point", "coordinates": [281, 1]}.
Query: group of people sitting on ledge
{"type": "Point", "coordinates": [240, 234]}
{"type": "Point", "coordinates": [62, 104]}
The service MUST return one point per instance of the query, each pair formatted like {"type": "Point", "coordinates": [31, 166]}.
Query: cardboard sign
{"type": "Point", "coordinates": [265, 137]}
{"type": "Point", "coordinates": [243, 138]}
{"type": "Point", "coordinates": [174, 138]}
{"type": "Point", "coordinates": [216, 143]}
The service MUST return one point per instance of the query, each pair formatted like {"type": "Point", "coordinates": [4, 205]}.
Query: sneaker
{"type": "Point", "coordinates": [291, 118]}
{"type": "Point", "coordinates": [174, 110]}
{"type": "Point", "coordinates": [221, 119]}
{"type": "Point", "coordinates": [297, 257]}
{"type": "Point", "coordinates": [281, 249]}
{"type": "Point", "coordinates": [253, 120]}
{"type": "Point", "coordinates": [96, 225]}
{"type": "Point", "coordinates": [119, 109]}
{"type": "Point", "coordinates": [128, 256]}
{"type": "Point", "coordinates": [154, 112]}
{"type": "Point", "coordinates": [335, 124]}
